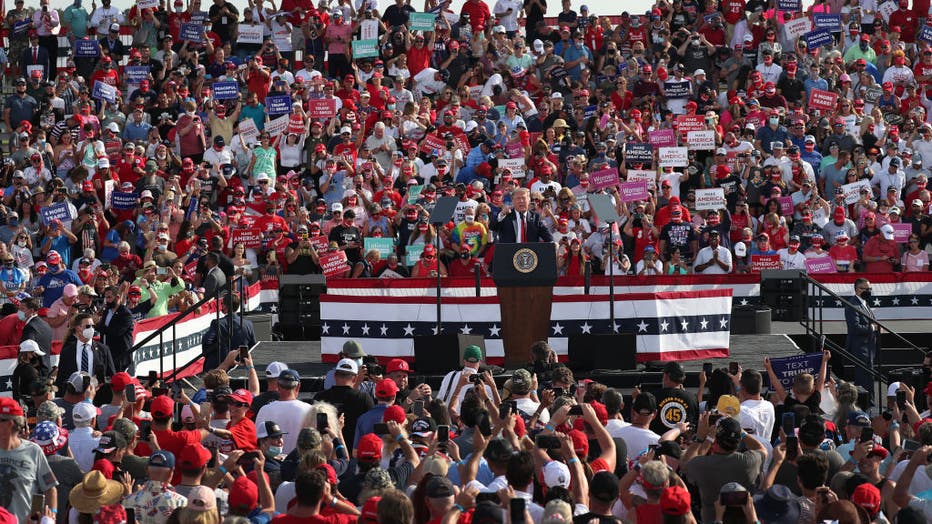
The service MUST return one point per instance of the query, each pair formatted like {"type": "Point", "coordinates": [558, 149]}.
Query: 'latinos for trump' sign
{"type": "Point", "coordinates": [365, 48]}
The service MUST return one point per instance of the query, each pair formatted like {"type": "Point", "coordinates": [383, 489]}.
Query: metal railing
{"type": "Point", "coordinates": [236, 283]}
{"type": "Point", "coordinates": [814, 324]}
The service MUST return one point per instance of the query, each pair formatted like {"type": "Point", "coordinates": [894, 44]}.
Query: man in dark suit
{"type": "Point", "coordinates": [36, 55]}
{"type": "Point", "coordinates": [519, 224]}
{"type": "Point", "coordinates": [862, 333]}
{"type": "Point", "coordinates": [36, 328]}
{"type": "Point", "coordinates": [226, 334]}
{"type": "Point", "coordinates": [82, 353]}
{"type": "Point", "coordinates": [116, 327]}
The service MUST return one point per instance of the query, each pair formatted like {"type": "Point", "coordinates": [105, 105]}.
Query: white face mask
{"type": "Point", "coordinates": [469, 219]}
{"type": "Point", "coordinates": [88, 333]}
{"type": "Point", "coordinates": [21, 243]}
{"type": "Point", "coordinates": [20, 315]}
{"type": "Point", "coordinates": [774, 121]}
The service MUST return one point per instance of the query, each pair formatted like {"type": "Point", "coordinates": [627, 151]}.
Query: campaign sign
{"type": "Point", "coordinates": [192, 207]}
{"type": "Point", "coordinates": [422, 21]}
{"type": "Point", "coordinates": [712, 198]}
{"type": "Point", "coordinates": [514, 149]}
{"type": "Point", "coordinates": [925, 34]}
{"type": "Point", "coordinates": [701, 140]}
{"type": "Point", "coordinates": [320, 243]}
{"type": "Point", "coordinates": [413, 193]}
{"type": "Point", "coordinates": [822, 100]}
{"type": "Point", "coordinates": [278, 104]}
{"type": "Point", "coordinates": [250, 237]}
{"type": "Point", "coordinates": [676, 89]}
{"type": "Point", "coordinates": [136, 74]}
{"type": "Point", "coordinates": [853, 190]}
{"type": "Point", "coordinates": [639, 154]}
{"type": "Point", "coordinates": [123, 200]}
{"type": "Point", "coordinates": [796, 28]}
{"type": "Point", "coordinates": [248, 130]}
{"type": "Point", "coordinates": [86, 49]}
{"type": "Point", "coordinates": [225, 90]}
{"type": "Point", "coordinates": [633, 191]}
{"type": "Point", "coordinates": [413, 254]}
{"type": "Point", "coordinates": [589, 111]}
{"type": "Point", "coordinates": [792, 6]}
{"type": "Point", "coordinates": [832, 22]}
{"type": "Point", "coordinates": [431, 142]}
{"type": "Point", "coordinates": [516, 165]}
{"type": "Point", "coordinates": [823, 264]}
{"type": "Point", "coordinates": [643, 174]}
{"type": "Point", "coordinates": [277, 126]}
{"type": "Point", "coordinates": [872, 94]}
{"type": "Point", "coordinates": [296, 124]}
{"type": "Point", "coordinates": [249, 34]}
{"type": "Point", "coordinates": [104, 91]}
{"type": "Point", "coordinates": [333, 264]}
{"type": "Point", "coordinates": [57, 211]}
{"type": "Point", "coordinates": [148, 4]}
{"type": "Point", "coordinates": [786, 368]}
{"type": "Point", "coordinates": [199, 17]}
{"type": "Point", "coordinates": [674, 157]}
{"type": "Point", "coordinates": [818, 38]}
{"type": "Point", "coordinates": [786, 205]}
{"type": "Point", "coordinates": [886, 9]}
{"type": "Point", "coordinates": [901, 232]}
{"type": "Point", "coordinates": [687, 123]}
{"type": "Point", "coordinates": [365, 48]}
{"type": "Point", "coordinates": [192, 31]}
{"type": "Point", "coordinates": [662, 138]}
{"type": "Point", "coordinates": [385, 246]}
{"type": "Point", "coordinates": [604, 178]}
{"type": "Point", "coordinates": [322, 108]}
{"type": "Point", "coordinates": [763, 262]}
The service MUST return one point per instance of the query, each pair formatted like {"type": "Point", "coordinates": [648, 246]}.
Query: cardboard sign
{"type": "Point", "coordinates": [662, 138]}
{"type": "Point", "coordinates": [295, 125]}
{"type": "Point", "coordinates": [516, 165]}
{"type": "Point", "coordinates": [790, 6]}
{"type": "Point", "coordinates": [333, 264]}
{"type": "Point", "coordinates": [674, 157]}
{"type": "Point", "coordinates": [320, 243]}
{"type": "Point", "coordinates": [872, 94]}
{"type": "Point", "coordinates": [413, 193]}
{"type": "Point", "coordinates": [136, 74]}
{"type": "Point", "coordinates": [604, 178]}
{"type": "Point", "coordinates": [633, 191]}
{"type": "Point", "coordinates": [822, 100]}
{"type": "Point", "coordinates": [322, 108]}
{"type": "Point", "coordinates": [147, 4]}
{"type": "Point", "coordinates": [761, 262]}
{"type": "Point", "coordinates": [818, 38]}
{"type": "Point", "coordinates": [786, 205]}
{"type": "Point", "coordinates": [365, 48]}
{"type": "Point", "coordinates": [277, 126]}
{"type": "Point", "coordinates": [199, 17]}
{"type": "Point", "coordinates": [422, 21]}
{"type": "Point", "coordinates": [86, 49]}
{"type": "Point", "coordinates": [823, 264]}
{"type": "Point", "coordinates": [57, 211]}
{"type": "Point", "coordinates": [639, 154]}
{"type": "Point", "coordinates": [786, 368]}
{"type": "Point", "coordinates": [901, 232]}
{"type": "Point", "coordinates": [853, 190]}
{"type": "Point", "coordinates": [225, 90]}
{"type": "Point", "coordinates": [248, 130]}
{"type": "Point", "coordinates": [431, 142]}
{"type": "Point", "coordinates": [385, 246]}
{"type": "Point", "coordinates": [648, 176]}
{"type": "Point", "coordinates": [886, 9]}
{"type": "Point", "coordinates": [712, 198]}
{"type": "Point", "coordinates": [832, 22]}
{"type": "Point", "coordinates": [701, 140]}
{"type": "Point", "coordinates": [250, 237]}
{"type": "Point", "coordinates": [796, 28]}
{"type": "Point", "coordinates": [104, 91]}
{"type": "Point", "coordinates": [249, 33]}
{"type": "Point", "coordinates": [687, 123]}
{"type": "Point", "coordinates": [193, 32]}
{"type": "Point", "coordinates": [514, 149]}
{"type": "Point", "coordinates": [925, 34]}
{"type": "Point", "coordinates": [278, 105]}
{"type": "Point", "coordinates": [121, 200]}
{"type": "Point", "coordinates": [413, 254]}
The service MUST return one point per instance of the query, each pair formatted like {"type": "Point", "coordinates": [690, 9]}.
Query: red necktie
{"type": "Point", "coordinates": [35, 55]}
{"type": "Point", "coordinates": [523, 228]}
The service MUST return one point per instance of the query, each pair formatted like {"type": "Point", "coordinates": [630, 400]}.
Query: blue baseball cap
{"type": "Point", "coordinates": [162, 459]}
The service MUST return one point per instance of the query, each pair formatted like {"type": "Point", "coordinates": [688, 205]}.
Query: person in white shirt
{"type": "Point", "coordinates": [81, 440]}
{"type": "Point", "coordinates": [507, 13]}
{"type": "Point", "coordinates": [614, 403]}
{"type": "Point", "coordinates": [637, 435]}
{"type": "Point", "coordinates": [521, 393]}
{"type": "Point", "coordinates": [756, 413]}
{"type": "Point", "coordinates": [430, 81]}
{"type": "Point", "coordinates": [472, 359]}
{"type": "Point", "coordinates": [714, 259]}
{"type": "Point", "coordinates": [288, 412]}
{"type": "Point", "coordinates": [790, 256]}
{"type": "Point", "coordinates": [308, 73]}
{"type": "Point", "coordinates": [104, 16]}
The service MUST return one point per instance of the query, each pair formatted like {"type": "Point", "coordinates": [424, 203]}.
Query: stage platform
{"type": "Point", "coordinates": [305, 357]}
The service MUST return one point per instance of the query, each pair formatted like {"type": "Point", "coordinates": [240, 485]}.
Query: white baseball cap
{"type": "Point", "coordinates": [30, 346]}
{"type": "Point", "coordinates": [348, 365]}
{"type": "Point", "coordinates": [83, 412]}
{"type": "Point", "coordinates": [887, 231]}
{"type": "Point", "coordinates": [274, 369]}
{"type": "Point", "coordinates": [556, 474]}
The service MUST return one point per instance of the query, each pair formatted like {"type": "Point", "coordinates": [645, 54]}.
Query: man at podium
{"type": "Point", "coordinates": [518, 224]}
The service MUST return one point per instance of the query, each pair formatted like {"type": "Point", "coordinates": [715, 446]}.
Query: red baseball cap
{"type": "Point", "coordinates": [244, 495]}
{"type": "Point", "coordinates": [395, 413]}
{"type": "Point", "coordinates": [10, 407]}
{"type": "Point", "coordinates": [162, 406]}
{"type": "Point", "coordinates": [397, 364]}
{"type": "Point", "coordinates": [193, 456]}
{"type": "Point", "coordinates": [369, 448]}
{"type": "Point", "coordinates": [386, 388]}
{"type": "Point", "coordinates": [119, 381]}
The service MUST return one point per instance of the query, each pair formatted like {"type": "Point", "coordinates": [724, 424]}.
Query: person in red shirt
{"type": "Point", "coordinates": [241, 429]}
{"type": "Point", "coordinates": [107, 74]}
{"type": "Point", "coordinates": [478, 13]}
{"type": "Point", "coordinates": [312, 493]}
{"type": "Point", "coordinates": [258, 79]}
{"type": "Point", "coordinates": [419, 53]}
{"type": "Point", "coordinates": [162, 409]}
{"type": "Point", "coordinates": [906, 20]}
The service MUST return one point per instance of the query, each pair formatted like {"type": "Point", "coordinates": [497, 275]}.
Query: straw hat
{"type": "Point", "coordinates": [95, 491]}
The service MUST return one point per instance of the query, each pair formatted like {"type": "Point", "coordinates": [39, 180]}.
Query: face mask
{"type": "Point", "coordinates": [21, 243]}
{"type": "Point", "coordinates": [88, 333]}
{"type": "Point", "coordinates": [163, 247]}
{"type": "Point", "coordinates": [273, 451]}
{"type": "Point", "coordinates": [774, 121]}
{"type": "Point", "coordinates": [13, 223]}
{"type": "Point", "coordinates": [20, 315]}
{"type": "Point", "coordinates": [469, 219]}
{"type": "Point", "coordinates": [866, 295]}
{"type": "Point", "coordinates": [863, 46]}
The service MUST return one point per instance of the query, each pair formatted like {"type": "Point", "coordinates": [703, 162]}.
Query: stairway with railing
{"type": "Point", "coordinates": [167, 334]}
{"type": "Point", "coordinates": [896, 355]}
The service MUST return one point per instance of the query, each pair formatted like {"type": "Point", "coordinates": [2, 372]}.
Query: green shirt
{"type": "Point", "coordinates": [163, 290]}
{"type": "Point", "coordinates": [76, 18]}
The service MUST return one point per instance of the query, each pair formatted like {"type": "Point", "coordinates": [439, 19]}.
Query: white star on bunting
{"type": "Point", "coordinates": [325, 328]}
{"type": "Point", "coordinates": [896, 301]}
{"type": "Point", "coordinates": [383, 330]}
{"type": "Point", "coordinates": [876, 302]}
{"type": "Point", "coordinates": [685, 324]}
{"type": "Point", "coordinates": [586, 328]}
{"type": "Point", "coordinates": [346, 329]}
{"type": "Point", "coordinates": [365, 329]}
{"type": "Point", "coordinates": [466, 330]}
{"type": "Point", "coordinates": [723, 323]}
{"type": "Point", "coordinates": [704, 324]}
{"type": "Point", "coordinates": [642, 327]}
{"type": "Point", "coordinates": [409, 331]}
{"type": "Point", "coordinates": [494, 331]}
{"type": "Point", "coordinates": [915, 301]}
{"type": "Point", "coordinates": [664, 325]}
{"type": "Point", "coordinates": [557, 329]}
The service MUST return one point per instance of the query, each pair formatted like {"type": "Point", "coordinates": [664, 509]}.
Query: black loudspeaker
{"type": "Point", "coordinates": [443, 353]}
{"type": "Point", "coordinates": [299, 306]}
{"type": "Point", "coordinates": [786, 293]}
{"type": "Point", "coordinates": [611, 351]}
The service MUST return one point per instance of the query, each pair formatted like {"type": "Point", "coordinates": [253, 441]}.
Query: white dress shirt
{"type": "Point", "coordinates": [81, 347]}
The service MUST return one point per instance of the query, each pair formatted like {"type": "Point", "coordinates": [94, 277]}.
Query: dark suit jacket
{"type": "Point", "coordinates": [42, 61]}
{"type": "Point", "coordinates": [216, 338]}
{"type": "Point", "coordinates": [862, 338]}
{"type": "Point", "coordinates": [67, 364]}
{"type": "Point", "coordinates": [114, 49]}
{"type": "Point", "coordinates": [118, 336]}
{"type": "Point", "coordinates": [536, 230]}
{"type": "Point", "coordinates": [39, 330]}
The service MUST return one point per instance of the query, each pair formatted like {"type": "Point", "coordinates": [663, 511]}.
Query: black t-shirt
{"type": "Point", "coordinates": [395, 16]}
{"type": "Point", "coordinates": [344, 235]}
{"type": "Point", "coordinates": [352, 403]}
{"type": "Point", "coordinates": [674, 405]}
{"type": "Point", "coordinates": [223, 25]}
{"type": "Point", "coordinates": [678, 235]}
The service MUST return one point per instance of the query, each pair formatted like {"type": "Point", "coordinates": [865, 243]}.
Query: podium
{"type": "Point", "coordinates": [524, 274]}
